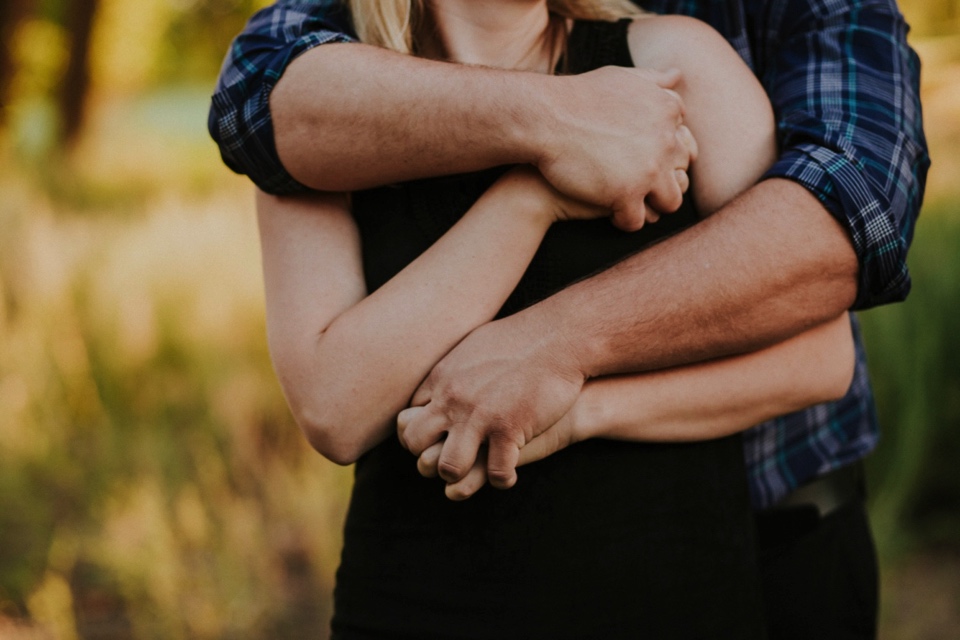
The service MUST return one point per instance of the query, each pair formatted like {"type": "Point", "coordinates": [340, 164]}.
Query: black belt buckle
{"type": "Point", "coordinates": [829, 492]}
{"type": "Point", "coordinates": [802, 510]}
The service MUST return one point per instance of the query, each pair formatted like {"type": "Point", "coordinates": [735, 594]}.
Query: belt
{"type": "Point", "coordinates": [829, 492]}
{"type": "Point", "coordinates": [802, 510]}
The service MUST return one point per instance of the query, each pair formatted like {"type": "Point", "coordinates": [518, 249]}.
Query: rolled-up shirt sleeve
{"type": "Point", "coordinates": [845, 89]}
{"type": "Point", "coordinates": [239, 119]}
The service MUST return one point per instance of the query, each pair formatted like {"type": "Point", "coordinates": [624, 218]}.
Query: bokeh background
{"type": "Point", "coordinates": [152, 483]}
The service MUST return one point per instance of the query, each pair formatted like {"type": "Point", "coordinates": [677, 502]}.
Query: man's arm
{"type": "Point", "coordinates": [292, 114]}
{"type": "Point", "coordinates": [608, 137]}
{"type": "Point", "coordinates": [701, 401]}
{"type": "Point", "coordinates": [766, 267]}
{"type": "Point", "coordinates": [787, 255]}
{"type": "Point", "coordinates": [846, 89]}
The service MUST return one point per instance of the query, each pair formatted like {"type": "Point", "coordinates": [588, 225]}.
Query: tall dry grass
{"type": "Point", "coordinates": [151, 480]}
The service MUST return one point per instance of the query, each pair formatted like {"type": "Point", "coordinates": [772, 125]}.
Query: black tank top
{"type": "Point", "coordinates": [602, 540]}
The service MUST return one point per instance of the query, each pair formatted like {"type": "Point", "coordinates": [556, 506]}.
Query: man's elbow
{"type": "Point", "coordinates": [299, 131]}
{"type": "Point", "coordinates": [835, 271]}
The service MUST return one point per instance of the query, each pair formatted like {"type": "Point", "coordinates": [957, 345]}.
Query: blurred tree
{"type": "Point", "coordinates": [198, 36]}
{"type": "Point", "coordinates": [12, 13]}
{"type": "Point", "coordinates": [74, 88]}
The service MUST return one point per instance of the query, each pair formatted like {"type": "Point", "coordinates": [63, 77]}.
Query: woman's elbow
{"type": "Point", "coordinates": [841, 382]}
{"type": "Point", "coordinates": [324, 417]}
{"type": "Point", "coordinates": [328, 437]}
{"type": "Point", "coordinates": [320, 407]}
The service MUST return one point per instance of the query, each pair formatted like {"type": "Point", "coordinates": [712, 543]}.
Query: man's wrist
{"type": "Point", "coordinates": [690, 298]}
{"type": "Point", "coordinates": [552, 341]}
{"type": "Point", "coordinates": [528, 130]}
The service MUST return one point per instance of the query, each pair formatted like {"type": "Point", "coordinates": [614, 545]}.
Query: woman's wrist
{"type": "Point", "coordinates": [526, 193]}
{"type": "Point", "coordinates": [587, 416]}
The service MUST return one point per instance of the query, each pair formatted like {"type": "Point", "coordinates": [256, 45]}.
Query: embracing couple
{"type": "Point", "coordinates": [481, 268]}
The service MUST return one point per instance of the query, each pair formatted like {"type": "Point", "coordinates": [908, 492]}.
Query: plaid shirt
{"type": "Point", "coordinates": [844, 87]}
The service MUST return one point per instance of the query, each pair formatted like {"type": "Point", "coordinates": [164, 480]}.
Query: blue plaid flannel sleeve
{"type": "Point", "coordinates": [845, 88]}
{"type": "Point", "coordinates": [239, 119]}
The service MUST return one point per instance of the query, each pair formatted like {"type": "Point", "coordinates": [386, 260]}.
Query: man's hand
{"type": "Point", "coordinates": [619, 141]}
{"type": "Point", "coordinates": [501, 386]}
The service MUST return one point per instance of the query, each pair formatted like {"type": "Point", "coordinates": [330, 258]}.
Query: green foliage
{"type": "Point", "coordinates": [198, 36]}
{"type": "Point", "coordinates": [914, 351]}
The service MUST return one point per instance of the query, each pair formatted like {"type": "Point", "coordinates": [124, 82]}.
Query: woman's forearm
{"type": "Point", "coordinates": [720, 397]}
{"type": "Point", "coordinates": [710, 399]}
{"type": "Point", "coordinates": [349, 369]}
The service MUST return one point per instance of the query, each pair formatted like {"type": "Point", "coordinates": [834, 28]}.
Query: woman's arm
{"type": "Point", "coordinates": [695, 402]}
{"type": "Point", "coordinates": [730, 115]}
{"type": "Point", "coordinates": [711, 399]}
{"type": "Point", "coordinates": [349, 363]}
{"type": "Point", "coordinates": [727, 109]}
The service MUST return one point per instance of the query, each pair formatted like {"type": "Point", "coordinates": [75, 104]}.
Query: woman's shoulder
{"type": "Point", "coordinates": [661, 41]}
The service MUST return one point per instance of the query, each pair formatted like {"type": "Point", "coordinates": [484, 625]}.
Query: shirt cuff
{"type": "Point", "coordinates": [240, 121]}
{"type": "Point", "coordinates": [842, 188]}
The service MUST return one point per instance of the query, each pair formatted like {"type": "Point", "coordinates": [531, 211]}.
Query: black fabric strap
{"type": "Point", "coordinates": [598, 44]}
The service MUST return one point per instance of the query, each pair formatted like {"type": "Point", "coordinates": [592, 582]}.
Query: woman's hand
{"type": "Point", "coordinates": [544, 200]}
{"type": "Point", "coordinates": [429, 460]}
{"type": "Point", "coordinates": [567, 431]}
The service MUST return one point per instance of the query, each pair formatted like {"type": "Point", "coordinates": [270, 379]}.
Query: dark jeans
{"type": "Point", "coordinates": [819, 575]}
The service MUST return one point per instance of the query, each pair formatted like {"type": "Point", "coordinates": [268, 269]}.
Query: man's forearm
{"type": "Point", "coordinates": [766, 267]}
{"type": "Point", "coordinates": [352, 116]}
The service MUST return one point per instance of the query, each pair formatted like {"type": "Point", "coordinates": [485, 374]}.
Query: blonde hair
{"type": "Point", "coordinates": [395, 24]}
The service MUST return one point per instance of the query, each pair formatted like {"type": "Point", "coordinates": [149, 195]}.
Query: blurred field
{"type": "Point", "coordinates": [152, 483]}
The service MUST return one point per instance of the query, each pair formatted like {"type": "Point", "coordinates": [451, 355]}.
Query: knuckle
{"type": "Point", "coordinates": [501, 478]}
{"type": "Point", "coordinates": [649, 172]}
{"type": "Point", "coordinates": [415, 442]}
{"type": "Point", "coordinates": [673, 105]}
{"type": "Point", "coordinates": [668, 141]}
{"type": "Point", "coordinates": [631, 220]}
{"type": "Point", "coordinates": [458, 492]}
{"type": "Point", "coordinates": [450, 471]}
{"type": "Point", "coordinates": [675, 201]}
{"type": "Point", "coordinates": [415, 446]}
{"type": "Point", "coordinates": [453, 395]}
{"type": "Point", "coordinates": [505, 433]}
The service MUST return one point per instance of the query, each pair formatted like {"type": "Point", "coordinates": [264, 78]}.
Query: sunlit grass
{"type": "Point", "coordinates": [147, 459]}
